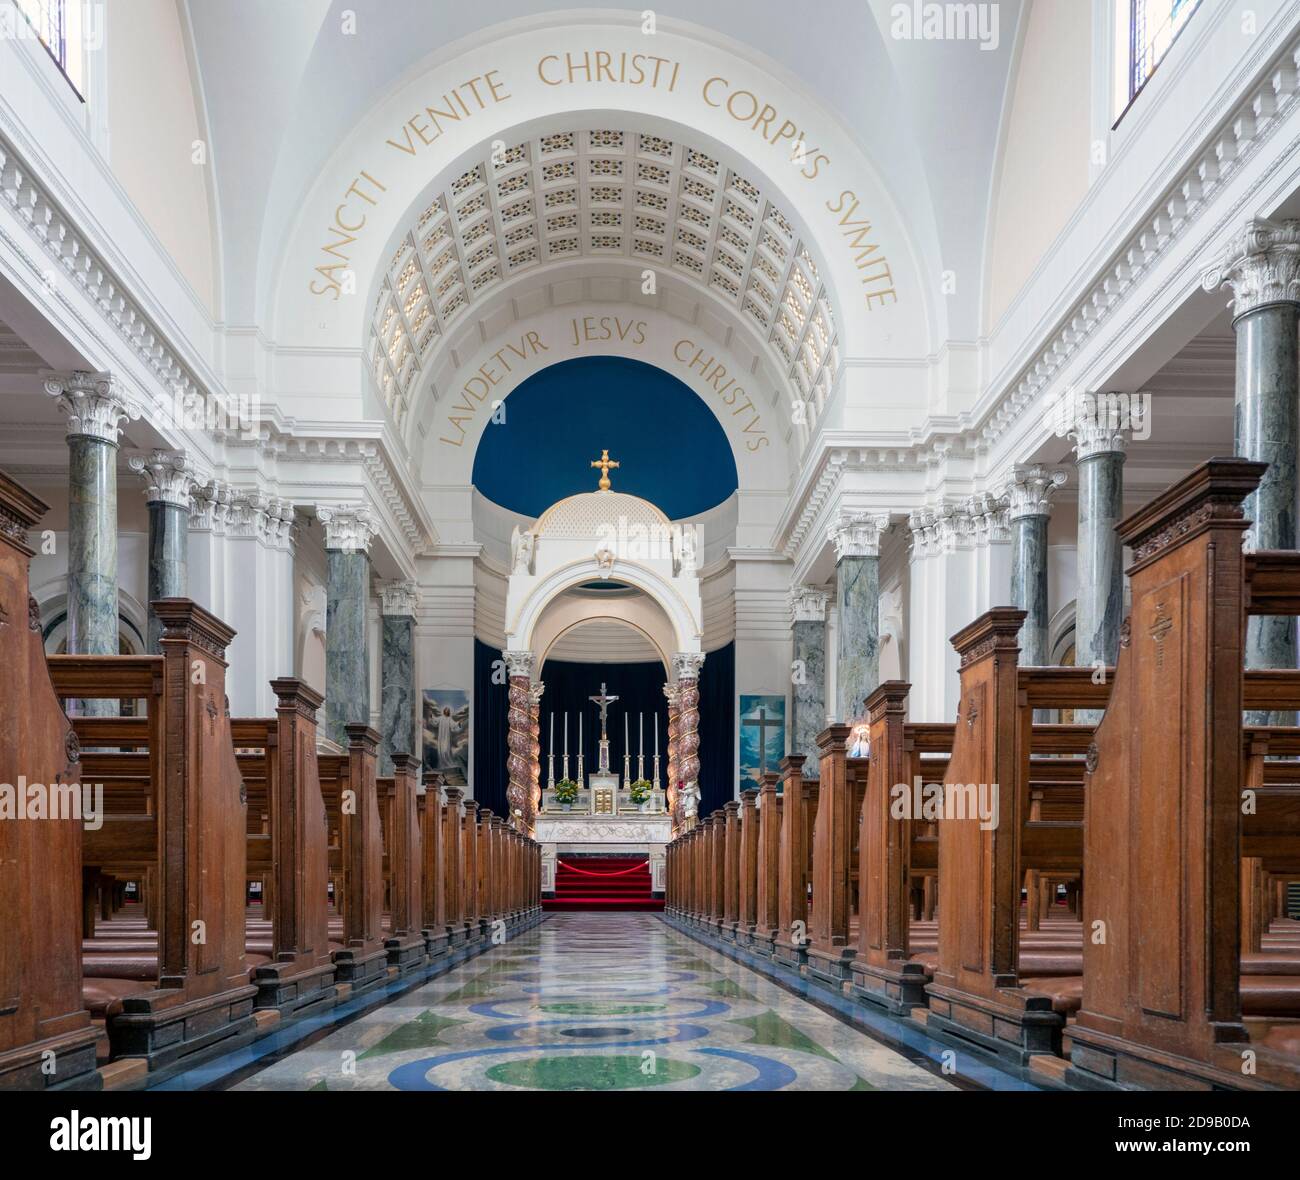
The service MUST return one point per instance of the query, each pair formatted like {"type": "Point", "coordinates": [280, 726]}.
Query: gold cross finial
{"type": "Point", "coordinates": [604, 463]}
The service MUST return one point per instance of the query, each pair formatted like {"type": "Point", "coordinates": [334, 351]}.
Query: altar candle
{"type": "Point", "coordinates": [550, 746]}
{"type": "Point", "coordinates": [640, 738]}
{"type": "Point", "coordinates": [566, 733]}
{"type": "Point", "coordinates": [626, 747]}
{"type": "Point", "coordinates": [579, 732]}
{"type": "Point", "coordinates": [656, 733]}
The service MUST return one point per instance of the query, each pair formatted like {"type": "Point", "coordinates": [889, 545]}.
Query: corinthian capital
{"type": "Point", "coordinates": [399, 598]}
{"type": "Point", "coordinates": [519, 663]}
{"type": "Point", "coordinates": [687, 664]}
{"type": "Point", "coordinates": [1261, 263]}
{"type": "Point", "coordinates": [807, 604]}
{"type": "Point", "coordinates": [95, 403]}
{"type": "Point", "coordinates": [1030, 491]}
{"type": "Point", "coordinates": [169, 477]}
{"type": "Point", "coordinates": [348, 527]}
{"type": "Point", "coordinates": [858, 534]}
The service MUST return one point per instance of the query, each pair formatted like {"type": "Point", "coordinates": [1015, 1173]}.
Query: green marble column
{"type": "Point", "coordinates": [1261, 264]}
{"type": "Point", "coordinates": [397, 705]}
{"type": "Point", "coordinates": [169, 480]}
{"type": "Point", "coordinates": [856, 539]}
{"type": "Point", "coordinates": [348, 532]}
{"type": "Point", "coordinates": [808, 673]}
{"type": "Point", "coordinates": [95, 406]}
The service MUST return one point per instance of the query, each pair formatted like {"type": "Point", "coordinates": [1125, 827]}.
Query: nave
{"type": "Point", "coordinates": [593, 1001]}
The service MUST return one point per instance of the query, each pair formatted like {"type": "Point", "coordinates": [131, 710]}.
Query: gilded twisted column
{"type": "Point", "coordinates": [534, 755]}
{"type": "Point", "coordinates": [674, 803]}
{"type": "Point", "coordinates": [687, 666]}
{"type": "Point", "coordinates": [519, 740]}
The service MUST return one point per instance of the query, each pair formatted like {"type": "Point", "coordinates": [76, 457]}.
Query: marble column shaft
{"type": "Point", "coordinates": [169, 481]}
{"type": "Point", "coordinates": [1100, 607]}
{"type": "Point", "coordinates": [808, 673]}
{"type": "Point", "coordinates": [348, 532]}
{"type": "Point", "coordinates": [397, 689]}
{"type": "Point", "coordinates": [857, 597]}
{"type": "Point", "coordinates": [347, 652]}
{"type": "Point", "coordinates": [95, 406]}
{"type": "Point", "coordinates": [92, 548]}
{"type": "Point", "coordinates": [1261, 263]}
{"type": "Point", "coordinates": [1029, 498]}
{"type": "Point", "coordinates": [1267, 404]}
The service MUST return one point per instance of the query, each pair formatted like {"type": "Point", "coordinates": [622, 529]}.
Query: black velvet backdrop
{"type": "Point", "coordinates": [639, 688]}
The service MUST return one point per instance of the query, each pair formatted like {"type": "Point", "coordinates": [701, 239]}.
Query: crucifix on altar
{"type": "Point", "coordinates": [604, 701]}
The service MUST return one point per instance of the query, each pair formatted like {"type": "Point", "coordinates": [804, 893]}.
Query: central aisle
{"type": "Point", "coordinates": [597, 1002]}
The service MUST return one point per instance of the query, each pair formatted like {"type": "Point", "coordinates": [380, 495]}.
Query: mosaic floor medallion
{"type": "Point", "coordinates": [597, 1002]}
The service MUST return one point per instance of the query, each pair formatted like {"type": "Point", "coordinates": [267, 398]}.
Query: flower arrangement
{"type": "Point", "coordinates": [566, 791]}
{"type": "Point", "coordinates": [641, 791]}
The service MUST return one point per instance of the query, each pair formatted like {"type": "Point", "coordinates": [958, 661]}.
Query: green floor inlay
{"type": "Point", "coordinates": [422, 1032]}
{"type": "Point", "coordinates": [730, 989]}
{"type": "Point", "coordinates": [770, 1029]}
{"type": "Point", "coordinates": [600, 1008]}
{"type": "Point", "coordinates": [590, 1073]}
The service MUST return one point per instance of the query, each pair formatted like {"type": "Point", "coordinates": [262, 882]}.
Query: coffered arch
{"type": "Point", "coordinates": [563, 202]}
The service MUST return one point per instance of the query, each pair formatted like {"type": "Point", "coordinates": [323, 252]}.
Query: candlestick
{"type": "Point", "coordinates": [640, 740]}
{"type": "Point", "coordinates": [627, 749]}
{"type": "Point", "coordinates": [566, 734]}
{"type": "Point", "coordinates": [656, 733]}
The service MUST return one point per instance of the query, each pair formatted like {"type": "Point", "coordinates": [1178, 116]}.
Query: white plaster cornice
{"type": "Point", "coordinates": [95, 403]}
{"type": "Point", "coordinates": [858, 535]}
{"type": "Point", "coordinates": [169, 477]}
{"type": "Point", "coordinates": [807, 604]}
{"type": "Point", "coordinates": [400, 599]}
{"type": "Point", "coordinates": [1029, 492]}
{"type": "Point", "coordinates": [1261, 264]}
{"type": "Point", "coordinates": [349, 528]}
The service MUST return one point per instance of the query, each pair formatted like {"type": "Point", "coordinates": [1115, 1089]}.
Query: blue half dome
{"type": "Point", "coordinates": [671, 449]}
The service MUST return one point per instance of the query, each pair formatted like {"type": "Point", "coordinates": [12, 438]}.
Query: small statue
{"type": "Point", "coordinates": [523, 547]}
{"type": "Point", "coordinates": [689, 796]}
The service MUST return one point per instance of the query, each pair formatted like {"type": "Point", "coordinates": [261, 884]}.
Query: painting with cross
{"type": "Point", "coordinates": [762, 737]}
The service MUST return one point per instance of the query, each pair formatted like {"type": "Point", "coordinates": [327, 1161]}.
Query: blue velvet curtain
{"type": "Point", "coordinates": [639, 688]}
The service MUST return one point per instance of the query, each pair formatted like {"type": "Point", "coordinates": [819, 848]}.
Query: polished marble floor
{"type": "Point", "coordinates": [597, 1002]}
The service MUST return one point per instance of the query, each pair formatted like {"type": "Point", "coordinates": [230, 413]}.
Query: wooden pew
{"type": "Point", "coordinates": [976, 993]}
{"type": "Point", "coordinates": [453, 854]}
{"type": "Point", "coordinates": [883, 970]}
{"type": "Point", "coordinates": [730, 869]}
{"type": "Point", "coordinates": [433, 878]}
{"type": "Point", "coordinates": [747, 918]}
{"type": "Point", "coordinates": [47, 1040]}
{"type": "Point", "coordinates": [834, 838]}
{"type": "Point", "coordinates": [300, 974]}
{"type": "Point", "coordinates": [790, 944]}
{"type": "Point", "coordinates": [362, 960]}
{"type": "Point", "coordinates": [192, 992]}
{"type": "Point", "coordinates": [767, 921]}
{"type": "Point", "coordinates": [1162, 996]}
{"type": "Point", "coordinates": [405, 943]}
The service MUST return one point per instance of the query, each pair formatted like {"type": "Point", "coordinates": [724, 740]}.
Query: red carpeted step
{"type": "Point", "coordinates": [603, 883]}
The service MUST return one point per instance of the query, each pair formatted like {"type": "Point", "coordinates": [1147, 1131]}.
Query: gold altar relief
{"type": "Point", "coordinates": [602, 800]}
{"type": "Point", "coordinates": [1158, 786]}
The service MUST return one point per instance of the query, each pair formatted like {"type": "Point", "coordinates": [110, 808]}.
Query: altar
{"type": "Point", "coordinates": [612, 559]}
